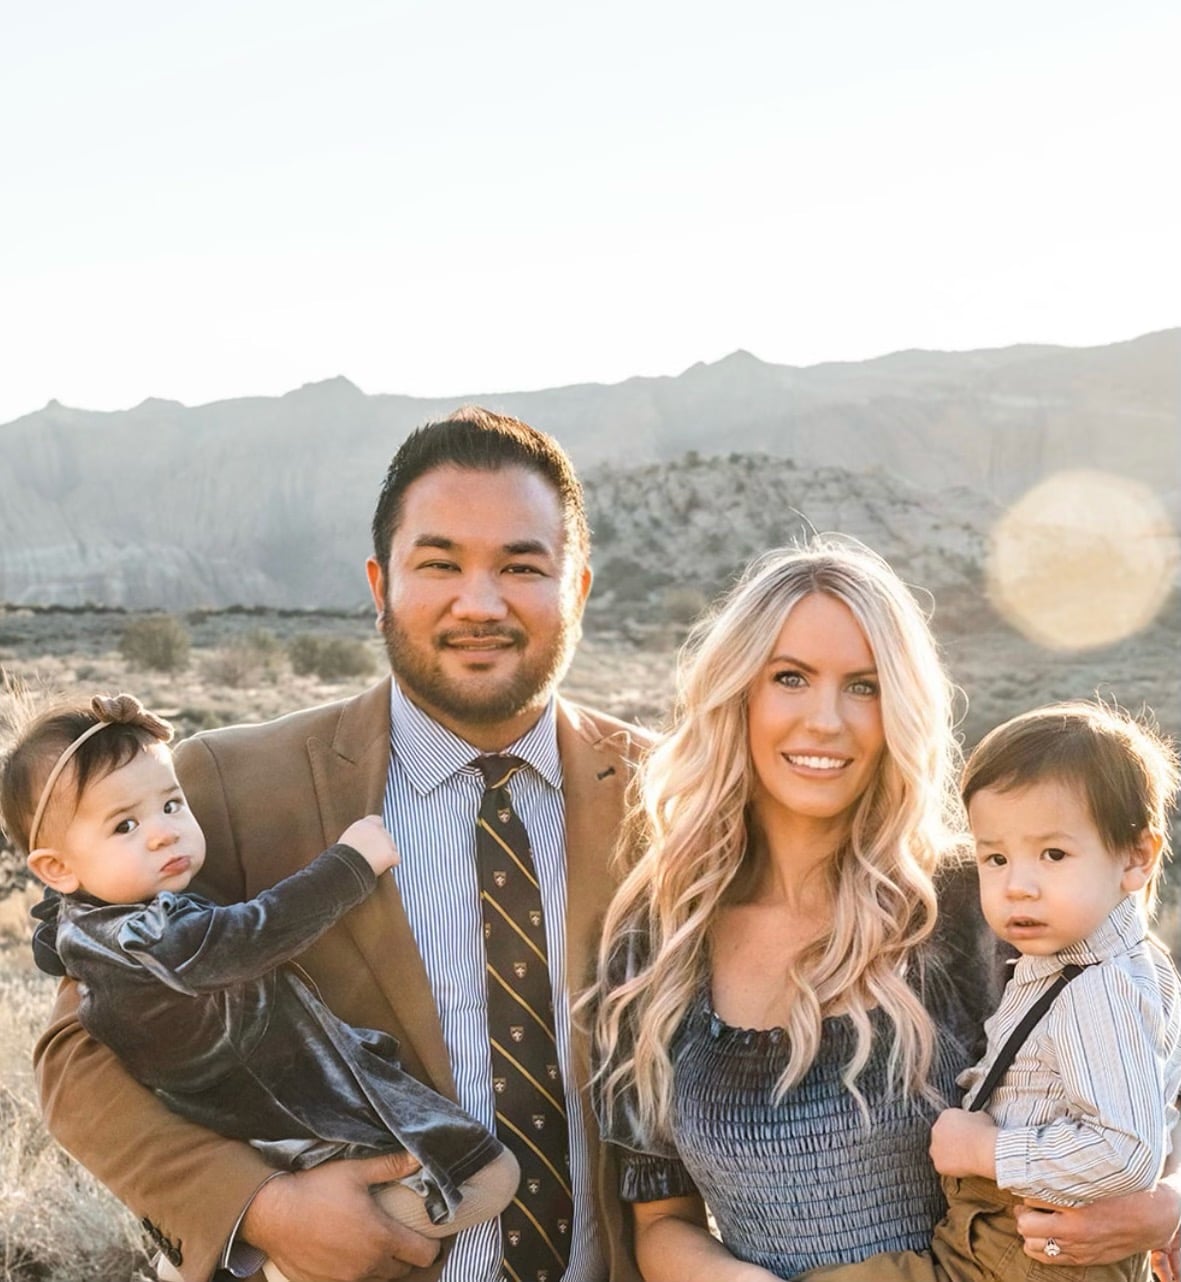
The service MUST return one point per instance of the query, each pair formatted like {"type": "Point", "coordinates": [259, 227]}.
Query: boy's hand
{"type": "Point", "coordinates": [964, 1143]}
{"type": "Point", "coordinates": [371, 841]}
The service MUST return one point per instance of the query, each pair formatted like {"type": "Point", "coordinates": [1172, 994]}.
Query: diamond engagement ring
{"type": "Point", "coordinates": [1051, 1248]}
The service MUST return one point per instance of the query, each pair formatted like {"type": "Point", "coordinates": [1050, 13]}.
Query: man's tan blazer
{"type": "Point", "coordinates": [270, 798]}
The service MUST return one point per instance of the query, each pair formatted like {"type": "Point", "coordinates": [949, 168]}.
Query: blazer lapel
{"type": "Point", "coordinates": [349, 775]}
{"type": "Point", "coordinates": [594, 784]}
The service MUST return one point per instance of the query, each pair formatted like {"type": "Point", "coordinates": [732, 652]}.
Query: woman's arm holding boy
{"type": "Point", "coordinates": [1112, 1227]}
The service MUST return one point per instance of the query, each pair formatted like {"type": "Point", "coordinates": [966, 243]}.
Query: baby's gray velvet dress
{"type": "Point", "coordinates": [199, 1003]}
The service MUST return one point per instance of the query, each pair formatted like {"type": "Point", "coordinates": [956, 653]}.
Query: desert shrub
{"type": "Point", "coordinates": [158, 641]}
{"type": "Point", "coordinates": [629, 580]}
{"type": "Point", "coordinates": [14, 872]}
{"type": "Point", "coordinates": [245, 661]}
{"type": "Point", "coordinates": [57, 1223]}
{"type": "Point", "coordinates": [190, 719]}
{"type": "Point", "coordinates": [682, 604]}
{"type": "Point", "coordinates": [329, 658]}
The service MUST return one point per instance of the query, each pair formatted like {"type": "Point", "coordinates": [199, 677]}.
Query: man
{"type": "Point", "coordinates": [479, 577]}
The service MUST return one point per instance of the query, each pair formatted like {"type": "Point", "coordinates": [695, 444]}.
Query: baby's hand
{"type": "Point", "coordinates": [369, 838]}
{"type": "Point", "coordinates": [964, 1143]}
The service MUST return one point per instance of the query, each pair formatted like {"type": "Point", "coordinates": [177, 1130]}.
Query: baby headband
{"type": "Point", "coordinates": [119, 710]}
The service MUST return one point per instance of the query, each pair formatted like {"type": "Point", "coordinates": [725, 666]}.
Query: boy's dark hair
{"type": "Point", "coordinates": [483, 441]}
{"type": "Point", "coordinates": [1122, 765]}
{"type": "Point", "coordinates": [40, 744]}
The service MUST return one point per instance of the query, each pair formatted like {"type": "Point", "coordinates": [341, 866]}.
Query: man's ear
{"type": "Point", "coordinates": [1141, 859]}
{"type": "Point", "coordinates": [376, 576]}
{"type": "Point", "coordinates": [48, 867]}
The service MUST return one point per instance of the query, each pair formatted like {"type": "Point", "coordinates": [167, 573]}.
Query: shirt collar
{"type": "Point", "coordinates": [1122, 929]}
{"type": "Point", "coordinates": [430, 753]}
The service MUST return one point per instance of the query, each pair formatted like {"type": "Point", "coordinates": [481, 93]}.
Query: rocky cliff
{"type": "Point", "coordinates": [266, 500]}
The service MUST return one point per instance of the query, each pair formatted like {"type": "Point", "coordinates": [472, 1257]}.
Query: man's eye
{"type": "Point", "coordinates": [523, 569]}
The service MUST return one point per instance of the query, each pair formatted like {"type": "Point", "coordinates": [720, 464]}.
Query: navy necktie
{"type": "Point", "coordinates": [526, 1075]}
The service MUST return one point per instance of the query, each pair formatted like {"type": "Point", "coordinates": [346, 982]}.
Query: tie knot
{"type": "Point", "coordinates": [497, 768]}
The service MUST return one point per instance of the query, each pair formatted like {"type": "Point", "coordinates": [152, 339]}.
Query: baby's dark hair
{"type": "Point", "coordinates": [1126, 770]}
{"type": "Point", "coordinates": [128, 728]}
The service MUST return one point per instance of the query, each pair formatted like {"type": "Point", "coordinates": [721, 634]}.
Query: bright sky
{"type": "Point", "coordinates": [449, 196]}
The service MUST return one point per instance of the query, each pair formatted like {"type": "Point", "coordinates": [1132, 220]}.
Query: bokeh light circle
{"type": "Point", "coordinates": [1081, 560]}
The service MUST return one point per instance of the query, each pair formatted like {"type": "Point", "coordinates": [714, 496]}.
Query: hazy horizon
{"type": "Point", "coordinates": [447, 200]}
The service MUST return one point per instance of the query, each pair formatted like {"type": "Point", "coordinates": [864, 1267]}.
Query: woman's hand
{"type": "Point", "coordinates": [964, 1143]}
{"type": "Point", "coordinates": [1108, 1230]}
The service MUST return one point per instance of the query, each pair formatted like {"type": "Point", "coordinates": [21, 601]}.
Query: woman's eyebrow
{"type": "Point", "coordinates": [807, 667]}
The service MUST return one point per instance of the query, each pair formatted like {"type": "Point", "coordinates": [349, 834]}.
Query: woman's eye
{"type": "Point", "coordinates": [868, 688]}
{"type": "Point", "coordinates": [793, 680]}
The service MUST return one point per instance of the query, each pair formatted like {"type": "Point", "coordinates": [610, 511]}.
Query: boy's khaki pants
{"type": "Point", "coordinates": [977, 1241]}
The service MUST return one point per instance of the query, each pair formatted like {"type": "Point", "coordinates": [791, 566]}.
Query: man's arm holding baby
{"type": "Point", "coordinates": [150, 1158]}
{"type": "Point", "coordinates": [192, 1185]}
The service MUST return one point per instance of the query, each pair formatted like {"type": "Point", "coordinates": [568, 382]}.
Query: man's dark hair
{"type": "Point", "coordinates": [483, 441]}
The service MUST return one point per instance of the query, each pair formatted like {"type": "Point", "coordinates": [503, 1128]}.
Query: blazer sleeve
{"type": "Point", "coordinates": [152, 1160]}
{"type": "Point", "coordinates": [187, 1183]}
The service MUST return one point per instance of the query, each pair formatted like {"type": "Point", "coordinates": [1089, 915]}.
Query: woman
{"type": "Point", "coordinates": [778, 1018]}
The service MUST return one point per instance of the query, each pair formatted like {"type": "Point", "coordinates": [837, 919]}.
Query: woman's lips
{"type": "Point", "coordinates": [819, 761]}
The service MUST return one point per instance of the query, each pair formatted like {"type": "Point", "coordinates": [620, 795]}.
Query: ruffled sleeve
{"type": "Point", "coordinates": [649, 1166]}
{"type": "Point", "coordinates": [644, 1177]}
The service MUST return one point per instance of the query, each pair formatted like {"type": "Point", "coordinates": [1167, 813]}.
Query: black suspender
{"type": "Point", "coordinates": [1017, 1037]}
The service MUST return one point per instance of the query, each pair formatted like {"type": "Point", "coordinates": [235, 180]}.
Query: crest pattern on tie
{"type": "Point", "coordinates": [526, 1077]}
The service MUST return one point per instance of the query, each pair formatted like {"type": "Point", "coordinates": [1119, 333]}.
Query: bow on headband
{"type": "Point", "coordinates": [110, 710]}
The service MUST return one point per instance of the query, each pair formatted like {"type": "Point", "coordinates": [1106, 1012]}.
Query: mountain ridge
{"type": "Point", "coordinates": [266, 500]}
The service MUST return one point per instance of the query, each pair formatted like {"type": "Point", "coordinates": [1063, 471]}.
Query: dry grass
{"type": "Point", "coordinates": [57, 1223]}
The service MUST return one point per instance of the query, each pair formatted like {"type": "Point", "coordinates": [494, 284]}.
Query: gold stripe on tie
{"type": "Point", "coordinates": [508, 851]}
{"type": "Point", "coordinates": [516, 997]}
{"type": "Point", "coordinates": [512, 925]}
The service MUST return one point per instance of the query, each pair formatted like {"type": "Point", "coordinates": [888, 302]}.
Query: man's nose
{"type": "Point", "coordinates": [479, 597]}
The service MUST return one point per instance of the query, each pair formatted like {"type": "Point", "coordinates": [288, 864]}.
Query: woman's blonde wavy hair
{"type": "Point", "coordinates": [690, 847]}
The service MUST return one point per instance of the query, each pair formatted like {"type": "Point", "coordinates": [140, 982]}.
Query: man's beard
{"type": "Point", "coordinates": [480, 701]}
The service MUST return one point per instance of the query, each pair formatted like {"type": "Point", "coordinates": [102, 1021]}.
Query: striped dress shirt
{"type": "Point", "coordinates": [432, 797]}
{"type": "Point", "coordinates": [1087, 1107]}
